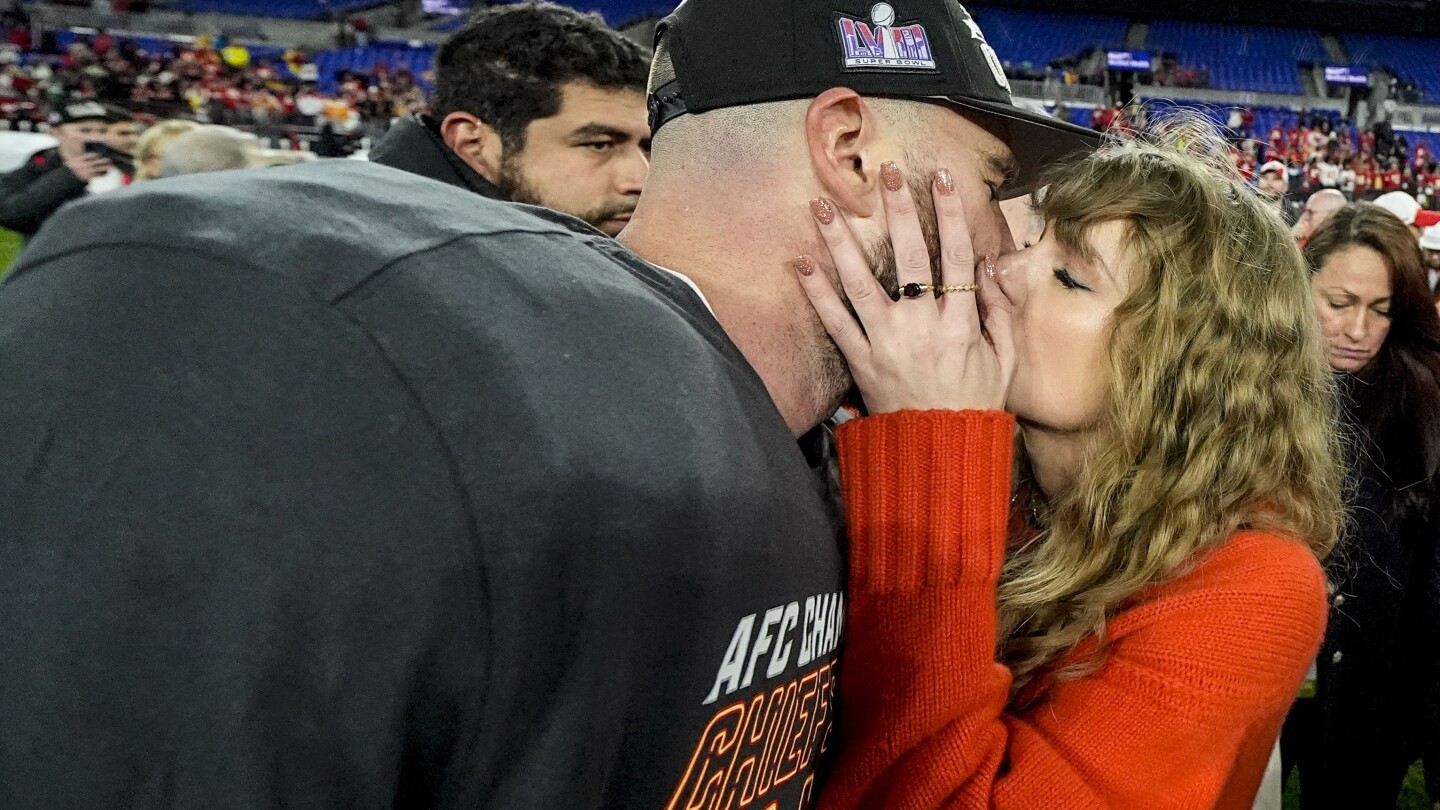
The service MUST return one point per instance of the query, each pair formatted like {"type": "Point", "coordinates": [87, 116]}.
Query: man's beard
{"type": "Point", "coordinates": [832, 374]}
{"type": "Point", "coordinates": [515, 188]}
{"type": "Point", "coordinates": [880, 254]}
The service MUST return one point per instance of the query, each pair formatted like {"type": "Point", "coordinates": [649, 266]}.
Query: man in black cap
{"type": "Point", "coordinates": [758, 107]}
{"type": "Point", "coordinates": [476, 508]}
{"type": "Point", "coordinates": [539, 104]}
{"type": "Point", "coordinates": [55, 176]}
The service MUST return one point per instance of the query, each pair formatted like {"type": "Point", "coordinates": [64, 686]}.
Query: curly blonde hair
{"type": "Point", "coordinates": [1220, 412]}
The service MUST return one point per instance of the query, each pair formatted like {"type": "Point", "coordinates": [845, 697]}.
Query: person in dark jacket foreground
{"type": "Point", "coordinates": [538, 104]}
{"type": "Point", "coordinates": [1374, 707]}
{"type": "Point", "coordinates": [335, 486]}
{"type": "Point", "coordinates": [55, 176]}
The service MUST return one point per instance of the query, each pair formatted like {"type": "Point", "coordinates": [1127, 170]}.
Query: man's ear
{"type": "Point", "coordinates": [476, 142]}
{"type": "Point", "coordinates": [842, 135]}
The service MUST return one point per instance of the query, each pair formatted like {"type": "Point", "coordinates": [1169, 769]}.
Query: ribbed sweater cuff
{"type": "Point", "coordinates": [927, 497]}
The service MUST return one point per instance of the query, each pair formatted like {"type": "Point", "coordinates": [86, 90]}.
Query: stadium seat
{"type": "Point", "coordinates": [363, 59]}
{"type": "Point", "coordinates": [1041, 37]}
{"type": "Point", "coordinates": [620, 12]}
{"type": "Point", "coordinates": [156, 45]}
{"type": "Point", "coordinates": [1238, 57]}
{"type": "Point", "coordinates": [1407, 57]}
{"type": "Point", "coordinates": [616, 12]}
{"type": "Point", "coordinates": [289, 9]}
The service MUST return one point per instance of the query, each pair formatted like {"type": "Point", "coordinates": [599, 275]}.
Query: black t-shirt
{"type": "Point", "coordinates": [333, 486]}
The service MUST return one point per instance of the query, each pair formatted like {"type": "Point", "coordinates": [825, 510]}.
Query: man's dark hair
{"type": "Point", "coordinates": [506, 66]}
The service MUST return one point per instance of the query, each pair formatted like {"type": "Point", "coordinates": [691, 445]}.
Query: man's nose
{"type": "Point", "coordinates": [1005, 240]}
{"type": "Point", "coordinates": [630, 174]}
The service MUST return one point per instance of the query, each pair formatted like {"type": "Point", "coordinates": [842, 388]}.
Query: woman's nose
{"type": "Point", "coordinates": [1011, 274]}
{"type": "Point", "coordinates": [1357, 325]}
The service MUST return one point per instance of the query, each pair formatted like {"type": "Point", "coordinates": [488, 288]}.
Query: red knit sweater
{"type": "Point", "coordinates": [1183, 712]}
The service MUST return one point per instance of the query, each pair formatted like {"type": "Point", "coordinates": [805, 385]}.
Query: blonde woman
{"type": "Point", "coordinates": [1125, 623]}
{"type": "Point", "coordinates": [150, 149]}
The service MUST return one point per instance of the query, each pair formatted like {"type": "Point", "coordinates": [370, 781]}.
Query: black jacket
{"type": "Point", "coordinates": [31, 193]}
{"type": "Point", "coordinates": [333, 486]}
{"type": "Point", "coordinates": [1429, 610]}
{"type": "Point", "coordinates": [1377, 678]}
{"type": "Point", "coordinates": [414, 145]}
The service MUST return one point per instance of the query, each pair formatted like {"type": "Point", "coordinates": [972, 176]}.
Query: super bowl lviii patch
{"type": "Point", "coordinates": [881, 44]}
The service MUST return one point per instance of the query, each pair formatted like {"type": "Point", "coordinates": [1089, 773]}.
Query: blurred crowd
{"type": "Point", "coordinates": [210, 79]}
{"type": "Point", "coordinates": [1293, 156]}
{"type": "Point", "coordinates": [1324, 151]}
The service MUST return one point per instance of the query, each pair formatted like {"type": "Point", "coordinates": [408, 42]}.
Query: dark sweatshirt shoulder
{"type": "Point", "coordinates": [337, 225]}
{"type": "Point", "coordinates": [330, 225]}
{"type": "Point", "coordinates": [335, 486]}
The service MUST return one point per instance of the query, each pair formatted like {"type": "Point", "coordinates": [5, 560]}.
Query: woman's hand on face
{"type": "Point", "coordinates": [923, 353]}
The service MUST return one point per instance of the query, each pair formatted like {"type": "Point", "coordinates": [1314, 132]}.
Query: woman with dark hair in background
{"type": "Point", "coordinates": [1374, 702]}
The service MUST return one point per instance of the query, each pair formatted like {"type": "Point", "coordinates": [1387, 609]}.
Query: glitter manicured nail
{"type": "Point", "coordinates": [823, 209]}
{"type": "Point", "coordinates": [890, 176]}
{"type": "Point", "coordinates": [945, 182]}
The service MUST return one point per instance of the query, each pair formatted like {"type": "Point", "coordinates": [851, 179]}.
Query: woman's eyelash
{"type": "Point", "coordinates": [1063, 276]}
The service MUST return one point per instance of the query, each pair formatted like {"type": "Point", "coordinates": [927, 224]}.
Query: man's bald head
{"type": "Point", "coordinates": [1324, 204]}
{"type": "Point", "coordinates": [1321, 206]}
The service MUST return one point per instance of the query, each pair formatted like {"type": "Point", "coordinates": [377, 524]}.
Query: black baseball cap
{"type": "Point", "coordinates": [728, 53]}
{"type": "Point", "coordinates": [116, 114]}
{"type": "Point", "coordinates": [79, 111]}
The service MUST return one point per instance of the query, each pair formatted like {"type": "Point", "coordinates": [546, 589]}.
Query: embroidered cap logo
{"type": "Point", "coordinates": [882, 44]}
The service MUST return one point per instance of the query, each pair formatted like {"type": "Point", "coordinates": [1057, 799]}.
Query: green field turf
{"type": "Point", "coordinates": [10, 244]}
